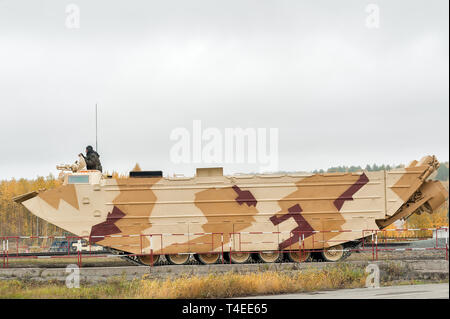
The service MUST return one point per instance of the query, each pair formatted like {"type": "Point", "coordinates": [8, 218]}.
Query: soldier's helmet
{"type": "Point", "coordinates": [89, 148]}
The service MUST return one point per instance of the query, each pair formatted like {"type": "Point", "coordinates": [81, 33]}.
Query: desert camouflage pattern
{"type": "Point", "coordinates": [211, 212]}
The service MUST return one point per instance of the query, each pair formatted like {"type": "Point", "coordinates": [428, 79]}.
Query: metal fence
{"type": "Point", "coordinates": [372, 241]}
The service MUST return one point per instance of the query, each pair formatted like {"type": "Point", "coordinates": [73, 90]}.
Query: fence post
{"type": "Point", "coordinates": [3, 252]}
{"type": "Point", "coordinates": [363, 239]}
{"type": "Point", "coordinates": [68, 245]}
{"type": "Point", "coordinates": [7, 252]}
{"type": "Point", "coordinates": [231, 245]}
{"type": "Point", "coordinates": [376, 244]}
{"type": "Point", "coordinates": [436, 232]}
{"type": "Point", "coordinates": [446, 243]}
{"type": "Point", "coordinates": [151, 250]}
{"type": "Point", "coordinates": [221, 238]}
{"type": "Point", "coordinates": [303, 245]}
{"type": "Point", "coordinates": [373, 249]}
{"type": "Point", "coordinates": [300, 253]}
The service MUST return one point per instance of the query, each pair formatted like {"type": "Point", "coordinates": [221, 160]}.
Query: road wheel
{"type": "Point", "coordinates": [149, 260]}
{"type": "Point", "coordinates": [333, 254]}
{"type": "Point", "coordinates": [237, 257]}
{"type": "Point", "coordinates": [207, 259]}
{"type": "Point", "coordinates": [178, 259]}
{"type": "Point", "coordinates": [298, 256]}
{"type": "Point", "coordinates": [269, 256]}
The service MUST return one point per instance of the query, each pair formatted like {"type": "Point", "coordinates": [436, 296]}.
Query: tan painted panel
{"type": "Point", "coordinates": [353, 228]}
{"type": "Point", "coordinates": [256, 237]}
{"type": "Point", "coordinates": [202, 242]}
{"type": "Point", "coordinates": [369, 200]}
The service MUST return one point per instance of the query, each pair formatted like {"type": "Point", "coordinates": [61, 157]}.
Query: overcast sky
{"type": "Point", "coordinates": [339, 92]}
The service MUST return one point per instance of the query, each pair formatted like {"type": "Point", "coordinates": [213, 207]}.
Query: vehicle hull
{"type": "Point", "coordinates": [214, 213]}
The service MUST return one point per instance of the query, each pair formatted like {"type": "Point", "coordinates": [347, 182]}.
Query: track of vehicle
{"type": "Point", "coordinates": [418, 250]}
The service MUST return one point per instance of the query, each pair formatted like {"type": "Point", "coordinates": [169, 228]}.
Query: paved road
{"type": "Point", "coordinates": [424, 243]}
{"type": "Point", "coordinates": [428, 291]}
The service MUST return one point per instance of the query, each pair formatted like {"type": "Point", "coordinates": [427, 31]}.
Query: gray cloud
{"type": "Point", "coordinates": [339, 93]}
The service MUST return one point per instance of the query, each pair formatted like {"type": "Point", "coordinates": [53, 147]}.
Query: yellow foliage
{"type": "Point", "coordinates": [16, 219]}
{"type": "Point", "coordinates": [436, 219]}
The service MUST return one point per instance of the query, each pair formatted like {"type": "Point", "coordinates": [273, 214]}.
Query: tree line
{"type": "Point", "coordinates": [15, 219]}
{"type": "Point", "coordinates": [441, 174]}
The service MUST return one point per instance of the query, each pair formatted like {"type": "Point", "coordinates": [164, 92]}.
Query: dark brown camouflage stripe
{"type": "Point", "coordinates": [244, 197]}
{"type": "Point", "coordinates": [348, 194]}
{"type": "Point", "coordinates": [107, 227]}
{"type": "Point", "coordinates": [303, 227]}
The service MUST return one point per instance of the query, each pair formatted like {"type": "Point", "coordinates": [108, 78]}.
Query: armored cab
{"type": "Point", "coordinates": [210, 214]}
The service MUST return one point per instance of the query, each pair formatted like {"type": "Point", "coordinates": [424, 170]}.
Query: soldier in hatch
{"type": "Point", "coordinates": [92, 159]}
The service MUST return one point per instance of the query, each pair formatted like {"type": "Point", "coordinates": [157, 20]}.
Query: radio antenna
{"type": "Point", "coordinates": [96, 139]}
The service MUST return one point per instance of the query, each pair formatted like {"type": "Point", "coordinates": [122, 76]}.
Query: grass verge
{"type": "Point", "coordinates": [211, 286]}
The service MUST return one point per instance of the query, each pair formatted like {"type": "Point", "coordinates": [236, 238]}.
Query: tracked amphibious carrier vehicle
{"type": "Point", "coordinates": [239, 216]}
